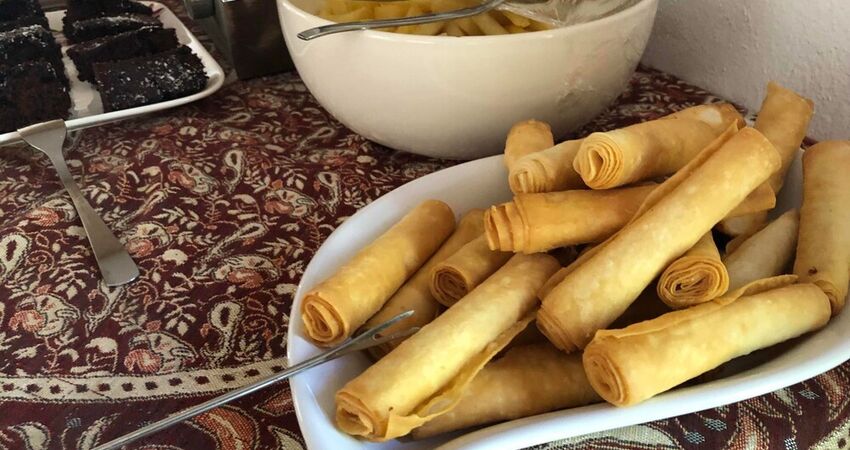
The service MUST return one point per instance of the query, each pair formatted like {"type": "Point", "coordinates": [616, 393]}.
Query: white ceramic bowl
{"type": "Point", "coordinates": [457, 98]}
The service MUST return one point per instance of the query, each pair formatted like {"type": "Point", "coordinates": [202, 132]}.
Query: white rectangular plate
{"type": "Point", "coordinates": [479, 184]}
{"type": "Point", "coordinates": [86, 107]}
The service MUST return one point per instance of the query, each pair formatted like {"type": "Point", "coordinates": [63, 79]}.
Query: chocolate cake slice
{"type": "Point", "coordinates": [131, 44]}
{"type": "Point", "coordinates": [89, 9]}
{"type": "Point", "coordinates": [86, 30]}
{"type": "Point", "coordinates": [11, 10]}
{"type": "Point", "coordinates": [31, 92]}
{"type": "Point", "coordinates": [28, 44]}
{"type": "Point", "coordinates": [23, 22]}
{"type": "Point", "coordinates": [149, 79]}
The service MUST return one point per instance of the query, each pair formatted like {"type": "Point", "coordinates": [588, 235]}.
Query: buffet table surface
{"type": "Point", "coordinates": [222, 204]}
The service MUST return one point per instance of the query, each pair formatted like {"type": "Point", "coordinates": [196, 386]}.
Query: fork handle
{"type": "Point", "coordinates": [115, 264]}
{"type": "Point", "coordinates": [325, 30]}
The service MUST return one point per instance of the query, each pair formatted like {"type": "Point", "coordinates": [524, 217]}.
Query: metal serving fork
{"type": "Point", "coordinates": [325, 30]}
{"type": "Point", "coordinates": [115, 264]}
{"type": "Point", "coordinates": [364, 340]}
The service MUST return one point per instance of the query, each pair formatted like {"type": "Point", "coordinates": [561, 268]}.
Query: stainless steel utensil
{"type": "Point", "coordinates": [368, 338]}
{"type": "Point", "coordinates": [116, 265]}
{"type": "Point", "coordinates": [556, 13]}
{"type": "Point", "coordinates": [325, 30]}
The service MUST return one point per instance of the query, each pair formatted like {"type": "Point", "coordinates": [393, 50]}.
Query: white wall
{"type": "Point", "coordinates": [733, 47]}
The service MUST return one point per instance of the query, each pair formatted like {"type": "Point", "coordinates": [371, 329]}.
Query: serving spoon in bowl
{"type": "Point", "coordinates": [325, 30]}
{"type": "Point", "coordinates": [557, 13]}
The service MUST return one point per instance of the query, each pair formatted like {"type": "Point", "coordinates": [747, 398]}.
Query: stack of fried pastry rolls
{"type": "Point", "coordinates": [415, 295]}
{"type": "Point", "coordinates": [425, 376]}
{"type": "Point", "coordinates": [629, 365]}
{"type": "Point", "coordinates": [338, 306]}
{"type": "Point", "coordinates": [601, 285]}
{"type": "Point", "coordinates": [676, 261]}
{"type": "Point", "coordinates": [623, 154]}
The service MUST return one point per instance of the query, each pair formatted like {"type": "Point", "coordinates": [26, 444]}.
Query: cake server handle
{"type": "Point", "coordinates": [115, 264]}
{"type": "Point", "coordinates": [364, 340]}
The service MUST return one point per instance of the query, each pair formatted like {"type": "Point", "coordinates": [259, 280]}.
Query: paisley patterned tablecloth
{"type": "Point", "coordinates": [222, 204]}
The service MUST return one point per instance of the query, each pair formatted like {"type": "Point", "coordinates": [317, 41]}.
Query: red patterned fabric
{"type": "Point", "coordinates": [223, 203]}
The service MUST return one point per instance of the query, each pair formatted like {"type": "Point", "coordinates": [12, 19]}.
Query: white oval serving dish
{"type": "Point", "coordinates": [480, 184]}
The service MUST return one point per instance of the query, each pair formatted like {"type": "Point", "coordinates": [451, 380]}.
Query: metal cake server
{"type": "Point", "coordinates": [116, 265]}
{"type": "Point", "coordinates": [362, 341]}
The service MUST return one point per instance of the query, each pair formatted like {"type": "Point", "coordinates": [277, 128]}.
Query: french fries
{"type": "Point", "coordinates": [489, 23]}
